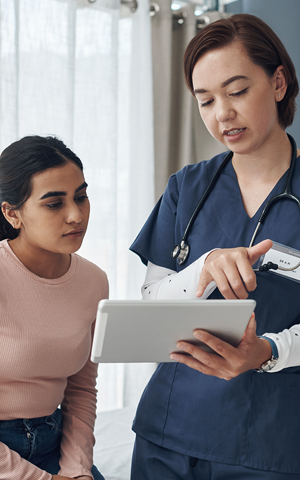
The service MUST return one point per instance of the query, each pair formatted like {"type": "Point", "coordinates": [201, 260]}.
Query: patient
{"type": "Point", "coordinates": [48, 300]}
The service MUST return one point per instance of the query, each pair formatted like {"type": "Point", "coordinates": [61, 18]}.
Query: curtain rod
{"type": "Point", "coordinates": [180, 14]}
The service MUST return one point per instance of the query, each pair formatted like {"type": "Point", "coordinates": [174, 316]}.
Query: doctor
{"type": "Point", "coordinates": [209, 416]}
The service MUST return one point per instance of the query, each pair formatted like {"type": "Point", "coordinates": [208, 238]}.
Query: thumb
{"type": "Point", "coordinates": [260, 249]}
{"type": "Point", "coordinates": [250, 329]}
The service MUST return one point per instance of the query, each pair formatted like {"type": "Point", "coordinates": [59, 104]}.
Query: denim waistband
{"type": "Point", "coordinates": [18, 422]}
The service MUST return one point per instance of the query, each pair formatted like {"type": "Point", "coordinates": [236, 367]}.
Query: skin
{"type": "Point", "coordinates": [43, 222]}
{"type": "Point", "coordinates": [59, 477]}
{"type": "Point", "coordinates": [235, 96]}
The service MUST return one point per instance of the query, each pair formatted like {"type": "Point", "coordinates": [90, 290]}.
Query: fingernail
{"type": "Point", "coordinates": [174, 357]}
{"type": "Point", "coordinates": [198, 334]}
{"type": "Point", "coordinates": [181, 346]}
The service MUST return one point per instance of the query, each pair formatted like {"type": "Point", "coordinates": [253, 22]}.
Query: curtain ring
{"type": "Point", "coordinates": [202, 21]}
{"type": "Point", "coordinates": [131, 4]}
{"type": "Point", "coordinates": [179, 16]}
{"type": "Point", "coordinates": [154, 8]}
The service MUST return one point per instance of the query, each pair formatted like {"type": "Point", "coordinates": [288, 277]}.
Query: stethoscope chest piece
{"type": "Point", "coordinates": [180, 252]}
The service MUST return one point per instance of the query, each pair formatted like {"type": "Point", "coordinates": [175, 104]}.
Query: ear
{"type": "Point", "coordinates": [11, 215]}
{"type": "Point", "coordinates": [280, 83]}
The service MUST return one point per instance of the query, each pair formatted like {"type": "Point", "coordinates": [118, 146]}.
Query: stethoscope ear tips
{"type": "Point", "coordinates": [268, 266]}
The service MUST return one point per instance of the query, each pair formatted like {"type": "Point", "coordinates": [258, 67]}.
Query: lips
{"type": "Point", "coordinates": [233, 131]}
{"type": "Point", "coordinates": [73, 233]}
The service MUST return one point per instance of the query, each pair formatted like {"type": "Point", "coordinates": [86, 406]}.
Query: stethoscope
{"type": "Point", "coordinates": [181, 250]}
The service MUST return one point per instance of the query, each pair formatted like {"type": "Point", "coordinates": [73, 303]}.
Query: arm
{"type": "Point", "coordinates": [13, 466]}
{"type": "Point", "coordinates": [288, 346]}
{"type": "Point", "coordinates": [79, 413]}
{"type": "Point", "coordinates": [163, 283]}
{"type": "Point", "coordinates": [231, 269]}
{"type": "Point", "coordinates": [59, 477]}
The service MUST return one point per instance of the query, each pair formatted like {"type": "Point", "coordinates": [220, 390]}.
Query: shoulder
{"type": "Point", "coordinates": [192, 175]}
{"type": "Point", "coordinates": [196, 171]}
{"type": "Point", "coordinates": [91, 274]}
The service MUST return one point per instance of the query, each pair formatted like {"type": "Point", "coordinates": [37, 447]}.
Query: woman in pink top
{"type": "Point", "coordinates": [48, 303]}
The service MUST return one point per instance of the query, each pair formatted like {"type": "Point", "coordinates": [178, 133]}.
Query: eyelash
{"type": "Point", "coordinates": [237, 94]}
{"type": "Point", "coordinates": [57, 205]}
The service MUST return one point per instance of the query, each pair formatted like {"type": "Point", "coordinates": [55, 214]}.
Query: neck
{"type": "Point", "coordinates": [42, 263]}
{"type": "Point", "coordinates": [258, 173]}
{"type": "Point", "coordinates": [267, 164]}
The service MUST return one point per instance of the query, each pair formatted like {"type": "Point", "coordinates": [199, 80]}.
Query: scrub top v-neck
{"type": "Point", "coordinates": [237, 421]}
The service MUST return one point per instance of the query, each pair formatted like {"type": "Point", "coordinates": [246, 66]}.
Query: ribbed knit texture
{"type": "Point", "coordinates": [45, 342]}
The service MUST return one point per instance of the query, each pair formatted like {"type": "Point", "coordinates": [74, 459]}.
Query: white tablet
{"type": "Point", "coordinates": [147, 331]}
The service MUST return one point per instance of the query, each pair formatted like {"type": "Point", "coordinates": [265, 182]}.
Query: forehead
{"type": "Point", "coordinates": [216, 66]}
{"type": "Point", "coordinates": [65, 178]}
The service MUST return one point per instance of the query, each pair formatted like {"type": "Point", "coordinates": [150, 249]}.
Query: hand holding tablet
{"type": "Point", "coordinates": [148, 331]}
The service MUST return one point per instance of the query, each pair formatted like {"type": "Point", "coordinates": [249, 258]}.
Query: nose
{"type": "Point", "coordinates": [224, 111]}
{"type": "Point", "coordinates": [73, 213]}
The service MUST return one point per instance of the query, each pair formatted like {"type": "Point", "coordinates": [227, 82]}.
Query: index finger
{"type": "Point", "coordinates": [222, 348]}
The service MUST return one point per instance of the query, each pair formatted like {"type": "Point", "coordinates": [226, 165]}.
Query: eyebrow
{"type": "Point", "coordinates": [224, 84]}
{"type": "Point", "coordinates": [63, 194]}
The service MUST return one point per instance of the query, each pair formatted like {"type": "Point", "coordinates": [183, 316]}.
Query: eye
{"type": "Point", "coordinates": [241, 92]}
{"type": "Point", "coordinates": [81, 198]}
{"type": "Point", "coordinates": [54, 206]}
{"type": "Point", "coordinates": [205, 104]}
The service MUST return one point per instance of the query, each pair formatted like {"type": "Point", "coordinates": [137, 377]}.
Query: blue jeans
{"type": "Point", "coordinates": [38, 441]}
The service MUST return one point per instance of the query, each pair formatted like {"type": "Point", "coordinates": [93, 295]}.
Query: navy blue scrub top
{"type": "Point", "coordinates": [252, 420]}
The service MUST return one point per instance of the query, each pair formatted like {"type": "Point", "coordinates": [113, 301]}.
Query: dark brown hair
{"type": "Point", "coordinates": [263, 47]}
{"type": "Point", "coordinates": [19, 162]}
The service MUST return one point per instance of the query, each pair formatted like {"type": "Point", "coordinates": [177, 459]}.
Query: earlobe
{"type": "Point", "coordinates": [11, 215]}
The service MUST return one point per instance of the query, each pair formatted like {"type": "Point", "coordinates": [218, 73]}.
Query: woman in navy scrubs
{"type": "Point", "coordinates": [209, 416]}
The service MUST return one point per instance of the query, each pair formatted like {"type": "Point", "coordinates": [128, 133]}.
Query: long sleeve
{"type": "Point", "coordinates": [79, 413]}
{"type": "Point", "coordinates": [13, 467]}
{"type": "Point", "coordinates": [162, 283]}
{"type": "Point", "coordinates": [288, 346]}
{"type": "Point", "coordinates": [45, 346]}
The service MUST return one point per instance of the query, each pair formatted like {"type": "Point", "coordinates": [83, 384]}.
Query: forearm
{"type": "Point", "coordinates": [288, 345]}
{"type": "Point", "coordinates": [79, 413]}
{"type": "Point", "coordinates": [162, 283]}
{"type": "Point", "coordinates": [13, 466]}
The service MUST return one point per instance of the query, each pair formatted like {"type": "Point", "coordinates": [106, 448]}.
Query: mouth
{"type": "Point", "coordinates": [233, 131]}
{"type": "Point", "coordinates": [74, 233]}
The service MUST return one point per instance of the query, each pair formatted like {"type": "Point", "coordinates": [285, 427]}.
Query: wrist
{"type": "Point", "coordinates": [271, 355]}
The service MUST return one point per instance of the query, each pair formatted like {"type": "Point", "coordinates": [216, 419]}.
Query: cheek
{"type": "Point", "coordinates": [87, 209]}
{"type": "Point", "coordinates": [209, 121]}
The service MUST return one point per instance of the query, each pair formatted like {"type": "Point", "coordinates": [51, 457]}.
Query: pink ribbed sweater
{"type": "Point", "coordinates": [45, 341]}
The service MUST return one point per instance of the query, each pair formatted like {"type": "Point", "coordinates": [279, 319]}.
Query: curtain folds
{"type": "Point", "coordinates": [180, 136]}
{"type": "Point", "coordinates": [82, 71]}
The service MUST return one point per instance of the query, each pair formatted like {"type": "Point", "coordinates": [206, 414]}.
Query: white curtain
{"type": "Point", "coordinates": [180, 136]}
{"type": "Point", "coordinates": [82, 70]}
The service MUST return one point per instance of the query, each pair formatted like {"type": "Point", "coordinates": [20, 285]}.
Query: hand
{"type": "Point", "coordinates": [59, 477]}
{"type": "Point", "coordinates": [231, 269]}
{"type": "Point", "coordinates": [83, 477]}
{"type": "Point", "coordinates": [231, 361]}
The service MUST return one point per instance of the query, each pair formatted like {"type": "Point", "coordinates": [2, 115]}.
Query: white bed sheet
{"type": "Point", "coordinates": [114, 443]}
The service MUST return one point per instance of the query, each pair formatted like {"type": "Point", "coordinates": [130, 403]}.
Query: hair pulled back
{"type": "Point", "coordinates": [263, 47]}
{"type": "Point", "coordinates": [19, 162]}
